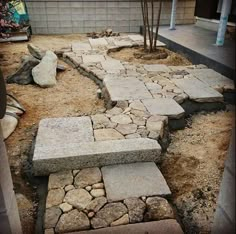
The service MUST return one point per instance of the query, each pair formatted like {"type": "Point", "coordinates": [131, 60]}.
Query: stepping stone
{"type": "Point", "coordinates": [112, 66]}
{"type": "Point", "coordinates": [98, 42]}
{"type": "Point", "coordinates": [212, 78]}
{"type": "Point", "coordinates": [93, 58]}
{"type": "Point", "coordinates": [50, 158]}
{"type": "Point", "coordinates": [133, 180]}
{"type": "Point", "coordinates": [122, 43]}
{"type": "Point", "coordinates": [156, 68]}
{"type": "Point", "coordinates": [80, 46]}
{"type": "Point", "coordinates": [164, 106]}
{"type": "Point", "coordinates": [55, 132]}
{"type": "Point", "coordinates": [198, 91]}
{"type": "Point", "coordinates": [160, 227]}
{"type": "Point", "coordinates": [122, 89]}
{"type": "Point", "coordinates": [136, 37]}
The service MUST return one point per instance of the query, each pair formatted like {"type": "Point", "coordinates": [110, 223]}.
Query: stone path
{"type": "Point", "coordinates": [143, 101]}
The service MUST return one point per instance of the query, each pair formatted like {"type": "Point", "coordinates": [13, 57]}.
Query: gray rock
{"type": "Point", "coordinates": [107, 134]}
{"type": "Point", "coordinates": [143, 132]}
{"type": "Point", "coordinates": [98, 223]}
{"type": "Point", "coordinates": [23, 75]}
{"type": "Point", "coordinates": [88, 176]}
{"type": "Point", "coordinates": [132, 136]}
{"type": "Point", "coordinates": [141, 114]}
{"type": "Point", "coordinates": [121, 221]}
{"type": "Point", "coordinates": [96, 204]}
{"type": "Point", "coordinates": [126, 129]}
{"type": "Point", "coordinates": [154, 135]}
{"type": "Point", "coordinates": [72, 221]}
{"type": "Point", "coordinates": [101, 121]}
{"type": "Point", "coordinates": [122, 104]}
{"type": "Point", "coordinates": [55, 197]}
{"type": "Point", "coordinates": [138, 120]}
{"type": "Point", "coordinates": [137, 105]}
{"type": "Point", "coordinates": [121, 119]}
{"type": "Point", "coordinates": [65, 207]}
{"type": "Point", "coordinates": [153, 87]}
{"type": "Point", "coordinates": [78, 198]}
{"type": "Point", "coordinates": [112, 66]}
{"type": "Point", "coordinates": [51, 217]}
{"type": "Point", "coordinates": [136, 209]}
{"type": "Point", "coordinates": [158, 208]}
{"type": "Point", "coordinates": [44, 74]}
{"type": "Point", "coordinates": [97, 192]}
{"type": "Point", "coordinates": [111, 212]}
{"type": "Point", "coordinates": [60, 179]}
{"type": "Point", "coordinates": [36, 51]}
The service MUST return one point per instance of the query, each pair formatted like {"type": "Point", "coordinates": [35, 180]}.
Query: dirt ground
{"type": "Point", "coordinates": [194, 178]}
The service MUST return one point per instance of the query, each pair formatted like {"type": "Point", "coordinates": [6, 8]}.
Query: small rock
{"type": "Point", "coordinates": [78, 198]}
{"type": "Point", "coordinates": [75, 172]}
{"type": "Point", "coordinates": [144, 198]}
{"type": "Point", "coordinates": [138, 120]}
{"type": "Point", "coordinates": [51, 217]}
{"type": "Point", "coordinates": [153, 135]}
{"type": "Point", "coordinates": [88, 176]}
{"type": "Point", "coordinates": [88, 188]}
{"type": "Point", "coordinates": [143, 132]}
{"type": "Point", "coordinates": [101, 121]}
{"type": "Point", "coordinates": [55, 197]}
{"type": "Point", "coordinates": [126, 129]}
{"type": "Point", "coordinates": [122, 104]}
{"type": "Point", "coordinates": [98, 186]}
{"type": "Point", "coordinates": [35, 51]}
{"type": "Point", "coordinates": [139, 113]}
{"type": "Point", "coordinates": [132, 136]}
{"type": "Point", "coordinates": [98, 223]}
{"type": "Point", "coordinates": [61, 67]}
{"type": "Point", "coordinates": [127, 110]}
{"type": "Point", "coordinates": [107, 134]}
{"type": "Point", "coordinates": [69, 187]}
{"type": "Point", "coordinates": [98, 192]}
{"type": "Point", "coordinates": [121, 221]}
{"type": "Point", "coordinates": [96, 204]}
{"type": "Point", "coordinates": [60, 179]}
{"type": "Point", "coordinates": [114, 111]}
{"type": "Point", "coordinates": [91, 214]}
{"type": "Point", "coordinates": [65, 207]}
{"type": "Point", "coordinates": [72, 221]}
{"type": "Point", "coordinates": [121, 119]}
{"type": "Point", "coordinates": [137, 105]}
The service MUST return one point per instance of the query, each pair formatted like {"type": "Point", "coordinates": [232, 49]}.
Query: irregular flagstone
{"type": "Point", "coordinates": [98, 223]}
{"type": "Point", "coordinates": [96, 204]}
{"type": "Point", "coordinates": [80, 46]}
{"type": "Point", "coordinates": [121, 119]}
{"type": "Point", "coordinates": [111, 212]}
{"type": "Point", "coordinates": [114, 111]}
{"type": "Point", "coordinates": [107, 134]}
{"type": "Point", "coordinates": [156, 68]}
{"type": "Point", "coordinates": [72, 221]}
{"type": "Point", "coordinates": [198, 91]}
{"type": "Point", "coordinates": [156, 126]}
{"type": "Point", "coordinates": [132, 136]}
{"type": "Point", "coordinates": [153, 87]}
{"type": "Point", "coordinates": [51, 217]}
{"type": "Point", "coordinates": [138, 120]}
{"type": "Point", "coordinates": [98, 42]}
{"type": "Point", "coordinates": [78, 198]}
{"type": "Point", "coordinates": [112, 66]}
{"type": "Point", "coordinates": [126, 129]}
{"type": "Point", "coordinates": [101, 121]}
{"type": "Point", "coordinates": [137, 105]}
{"type": "Point", "coordinates": [88, 176]}
{"type": "Point", "coordinates": [121, 221]}
{"type": "Point", "coordinates": [97, 192]}
{"type": "Point", "coordinates": [55, 197]}
{"type": "Point", "coordinates": [65, 207]}
{"type": "Point", "coordinates": [121, 89]}
{"type": "Point", "coordinates": [164, 106]}
{"type": "Point", "coordinates": [60, 179]}
{"type": "Point", "coordinates": [133, 180]}
{"type": "Point", "coordinates": [94, 58]}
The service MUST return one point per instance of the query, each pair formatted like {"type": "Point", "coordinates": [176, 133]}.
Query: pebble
{"type": "Point", "coordinates": [91, 214]}
{"type": "Point", "coordinates": [97, 192]}
{"type": "Point", "coordinates": [88, 188]}
{"type": "Point", "coordinates": [69, 187]}
{"type": "Point", "coordinates": [65, 207]}
{"type": "Point", "coordinates": [98, 186]}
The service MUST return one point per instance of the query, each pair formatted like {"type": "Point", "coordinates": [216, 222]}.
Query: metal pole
{"type": "Point", "coordinates": [173, 15]}
{"type": "Point", "coordinates": [225, 10]}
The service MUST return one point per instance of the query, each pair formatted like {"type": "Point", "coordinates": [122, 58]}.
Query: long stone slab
{"type": "Point", "coordinates": [155, 227]}
{"type": "Point", "coordinates": [164, 106]}
{"type": "Point", "coordinates": [133, 180]}
{"type": "Point", "coordinates": [112, 66]}
{"type": "Point", "coordinates": [198, 91]}
{"type": "Point", "coordinates": [49, 159]}
{"type": "Point", "coordinates": [122, 89]}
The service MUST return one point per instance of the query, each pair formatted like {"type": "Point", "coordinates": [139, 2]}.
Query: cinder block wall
{"type": "Point", "coordinates": [81, 16]}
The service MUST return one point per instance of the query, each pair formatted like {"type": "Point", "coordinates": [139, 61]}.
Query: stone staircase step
{"type": "Point", "coordinates": [52, 158]}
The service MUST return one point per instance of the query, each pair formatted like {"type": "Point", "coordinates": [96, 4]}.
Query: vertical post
{"type": "Point", "coordinates": [173, 15]}
{"type": "Point", "coordinates": [225, 10]}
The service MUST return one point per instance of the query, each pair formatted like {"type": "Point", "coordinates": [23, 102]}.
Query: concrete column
{"type": "Point", "coordinates": [173, 15]}
{"type": "Point", "coordinates": [225, 10]}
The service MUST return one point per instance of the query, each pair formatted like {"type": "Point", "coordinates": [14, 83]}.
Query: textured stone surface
{"type": "Point", "coordinates": [97, 192]}
{"type": "Point", "coordinates": [164, 106]}
{"type": "Point", "coordinates": [121, 119]}
{"type": "Point", "coordinates": [107, 134]}
{"type": "Point", "coordinates": [121, 89]}
{"type": "Point", "coordinates": [156, 126]}
{"type": "Point", "coordinates": [114, 111]}
{"type": "Point", "coordinates": [126, 129]}
{"type": "Point", "coordinates": [97, 42]}
{"type": "Point", "coordinates": [156, 68]}
{"type": "Point", "coordinates": [112, 66]}
{"type": "Point", "coordinates": [121, 221]}
{"type": "Point", "coordinates": [136, 208]}
{"type": "Point", "coordinates": [137, 105]}
{"type": "Point", "coordinates": [94, 58]}
{"type": "Point", "coordinates": [101, 121]}
{"type": "Point", "coordinates": [88, 176]}
{"type": "Point", "coordinates": [198, 91]}
{"type": "Point", "coordinates": [72, 221]}
{"type": "Point", "coordinates": [80, 46]}
{"type": "Point", "coordinates": [78, 198]}
{"type": "Point", "coordinates": [55, 197]}
{"type": "Point", "coordinates": [96, 204]}
{"type": "Point", "coordinates": [98, 186]}
{"type": "Point", "coordinates": [133, 180]}
{"type": "Point", "coordinates": [51, 217]}
{"type": "Point", "coordinates": [60, 179]}
{"type": "Point", "coordinates": [98, 223]}
{"type": "Point", "coordinates": [65, 207]}
{"type": "Point", "coordinates": [132, 136]}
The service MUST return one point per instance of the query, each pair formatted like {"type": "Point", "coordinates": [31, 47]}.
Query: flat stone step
{"type": "Point", "coordinates": [52, 158]}
{"type": "Point", "coordinates": [160, 227]}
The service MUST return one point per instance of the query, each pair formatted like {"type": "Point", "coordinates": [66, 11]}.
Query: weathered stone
{"type": "Point", "coordinates": [36, 51]}
{"type": "Point", "coordinates": [65, 207]}
{"type": "Point", "coordinates": [23, 75]}
{"type": "Point", "coordinates": [51, 217]}
{"type": "Point", "coordinates": [138, 120]}
{"type": "Point", "coordinates": [88, 188]}
{"type": "Point", "coordinates": [88, 176]}
{"type": "Point", "coordinates": [80, 46]}
{"type": "Point", "coordinates": [155, 126]}
{"type": "Point", "coordinates": [60, 179]}
{"type": "Point", "coordinates": [69, 187]}
{"type": "Point", "coordinates": [143, 132]}
{"type": "Point", "coordinates": [126, 129]}
{"type": "Point", "coordinates": [97, 42]}
{"type": "Point", "coordinates": [72, 221]}
{"type": "Point", "coordinates": [98, 186]}
{"type": "Point", "coordinates": [78, 198]}
{"type": "Point", "coordinates": [49, 231]}
{"type": "Point", "coordinates": [107, 134]}
{"type": "Point", "coordinates": [55, 197]}
{"type": "Point", "coordinates": [136, 209]}
{"type": "Point", "coordinates": [154, 135]}
{"type": "Point", "coordinates": [111, 212]}
{"type": "Point", "coordinates": [132, 136]}
{"type": "Point", "coordinates": [97, 192]}
{"type": "Point", "coordinates": [133, 180]}
{"type": "Point", "coordinates": [91, 214]}
{"type": "Point", "coordinates": [157, 118]}
{"type": "Point", "coordinates": [75, 172]}
{"type": "Point", "coordinates": [114, 111]}
{"type": "Point", "coordinates": [138, 113]}
{"type": "Point", "coordinates": [153, 87]}
{"type": "Point", "coordinates": [96, 204]}
{"type": "Point", "coordinates": [44, 74]}
{"type": "Point", "coordinates": [137, 105]}
{"type": "Point", "coordinates": [181, 98]}
{"type": "Point", "coordinates": [158, 208]}
{"type": "Point", "coordinates": [112, 66]}
{"type": "Point", "coordinates": [156, 68]}
{"type": "Point", "coordinates": [101, 121]}
{"type": "Point", "coordinates": [121, 119]}
{"type": "Point", "coordinates": [122, 104]}
{"type": "Point", "coordinates": [94, 58]}
{"type": "Point", "coordinates": [121, 221]}
{"type": "Point", "coordinates": [8, 124]}
{"type": "Point", "coordinates": [98, 223]}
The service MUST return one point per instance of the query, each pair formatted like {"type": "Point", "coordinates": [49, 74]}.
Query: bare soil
{"type": "Point", "coordinates": [193, 165]}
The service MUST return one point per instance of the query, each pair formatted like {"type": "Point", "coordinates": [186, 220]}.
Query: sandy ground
{"type": "Point", "coordinates": [193, 165]}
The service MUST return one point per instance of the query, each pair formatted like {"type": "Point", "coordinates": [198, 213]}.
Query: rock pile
{"type": "Point", "coordinates": [106, 33]}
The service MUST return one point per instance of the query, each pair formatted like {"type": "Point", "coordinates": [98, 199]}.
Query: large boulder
{"type": "Point", "coordinates": [44, 74]}
{"type": "Point", "coordinates": [23, 75]}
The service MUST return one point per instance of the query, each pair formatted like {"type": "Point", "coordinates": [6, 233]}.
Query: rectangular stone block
{"type": "Point", "coordinates": [48, 159]}
{"type": "Point", "coordinates": [112, 66]}
{"type": "Point", "coordinates": [93, 58]}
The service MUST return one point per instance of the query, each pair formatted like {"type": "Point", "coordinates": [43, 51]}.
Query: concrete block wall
{"type": "Point", "coordinates": [82, 16]}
